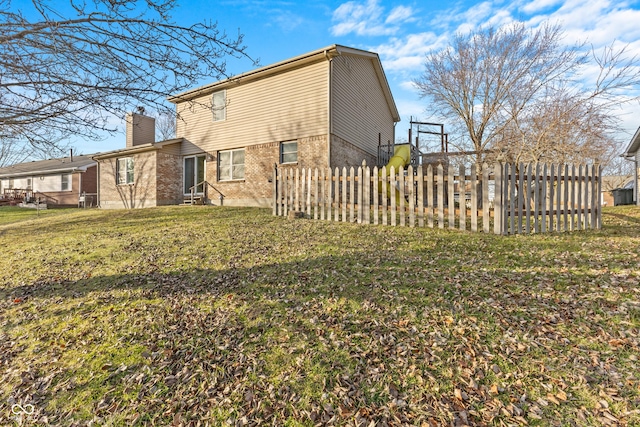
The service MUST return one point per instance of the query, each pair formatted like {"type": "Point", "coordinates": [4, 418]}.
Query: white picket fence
{"type": "Point", "coordinates": [503, 198]}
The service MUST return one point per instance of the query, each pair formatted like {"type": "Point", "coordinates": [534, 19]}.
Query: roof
{"type": "Point", "coordinates": [610, 182]}
{"type": "Point", "coordinates": [47, 167]}
{"type": "Point", "coordinates": [634, 145]}
{"type": "Point", "coordinates": [326, 53]}
{"type": "Point", "coordinates": [137, 149]}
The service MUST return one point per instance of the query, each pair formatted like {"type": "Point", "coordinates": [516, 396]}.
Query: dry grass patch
{"type": "Point", "coordinates": [221, 315]}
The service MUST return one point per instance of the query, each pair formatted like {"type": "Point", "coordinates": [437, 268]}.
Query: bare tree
{"type": "Point", "coordinates": [517, 90]}
{"type": "Point", "coordinates": [166, 126]}
{"type": "Point", "coordinates": [72, 68]}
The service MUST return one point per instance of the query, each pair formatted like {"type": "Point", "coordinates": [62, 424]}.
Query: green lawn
{"type": "Point", "coordinates": [228, 316]}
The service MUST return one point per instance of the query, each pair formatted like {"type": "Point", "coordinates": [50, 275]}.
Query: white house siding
{"type": "Point", "coordinates": [360, 111]}
{"type": "Point", "coordinates": [49, 183]}
{"type": "Point", "coordinates": [636, 189]}
{"type": "Point", "coordinates": [280, 107]}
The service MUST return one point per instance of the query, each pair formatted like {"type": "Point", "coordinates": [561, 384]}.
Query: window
{"type": "Point", "coordinates": [289, 152]}
{"type": "Point", "coordinates": [219, 106]}
{"type": "Point", "coordinates": [29, 183]}
{"type": "Point", "coordinates": [231, 165]}
{"type": "Point", "coordinates": [124, 170]}
{"type": "Point", "coordinates": [65, 179]}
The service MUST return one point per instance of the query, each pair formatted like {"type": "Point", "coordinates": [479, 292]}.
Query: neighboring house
{"type": "Point", "coordinates": [57, 182]}
{"type": "Point", "coordinates": [330, 107]}
{"type": "Point", "coordinates": [633, 154]}
{"type": "Point", "coordinates": [611, 183]}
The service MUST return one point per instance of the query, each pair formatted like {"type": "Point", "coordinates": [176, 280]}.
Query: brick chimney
{"type": "Point", "coordinates": [140, 129]}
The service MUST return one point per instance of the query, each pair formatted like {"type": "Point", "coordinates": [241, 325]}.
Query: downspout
{"type": "Point", "coordinates": [329, 109]}
{"type": "Point", "coordinates": [97, 184]}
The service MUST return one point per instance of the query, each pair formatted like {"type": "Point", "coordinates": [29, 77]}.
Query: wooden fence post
{"type": "Point", "coordinates": [400, 184]}
{"type": "Point", "coordinates": [543, 200]}
{"type": "Point", "coordinates": [385, 190]}
{"type": "Point", "coordinates": [412, 197]}
{"type": "Point", "coordinates": [392, 194]}
{"type": "Point", "coordinates": [274, 190]}
{"type": "Point", "coordinates": [430, 204]}
{"type": "Point", "coordinates": [462, 198]}
{"type": "Point", "coordinates": [420, 196]}
{"type": "Point", "coordinates": [498, 200]}
{"type": "Point", "coordinates": [451, 197]}
{"type": "Point", "coordinates": [336, 194]}
{"type": "Point", "coordinates": [474, 197]}
{"type": "Point", "coordinates": [440, 196]}
{"type": "Point", "coordinates": [376, 196]}
{"type": "Point", "coordinates": [486, 213]}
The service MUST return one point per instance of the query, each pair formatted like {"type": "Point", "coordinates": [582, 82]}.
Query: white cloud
{"type": "Point", "coordinates": [366, 19]}
{"type": "Point", "coordinates": [399, 14]}
{"type": "Point", "coordinates": [539, 5]}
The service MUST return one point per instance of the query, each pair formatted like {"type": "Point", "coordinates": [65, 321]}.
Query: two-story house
{"type": "Point", "coordinates": [327, 108]}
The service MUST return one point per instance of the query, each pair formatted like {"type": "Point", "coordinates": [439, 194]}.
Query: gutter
{"type": "Point", "coordinates": [47, 172]}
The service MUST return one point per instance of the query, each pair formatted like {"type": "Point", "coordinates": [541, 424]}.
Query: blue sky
{"type": "Point", "coordinates": [401, 32]}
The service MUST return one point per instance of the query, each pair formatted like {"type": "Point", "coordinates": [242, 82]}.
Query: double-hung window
{"type": "Point", "coordinates": [65, 182]}
{"type": "Point", "coordinates": [231, 165]}
{"type": "Point", "coordinates": [124, 170]}
{"type": "Point", "coordinates": [219, 105]}
{"type": "Point", "coordinates": [289, 152]}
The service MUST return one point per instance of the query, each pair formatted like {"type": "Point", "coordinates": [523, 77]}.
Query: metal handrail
{"type": "Point", "coordinates": [208, 184]}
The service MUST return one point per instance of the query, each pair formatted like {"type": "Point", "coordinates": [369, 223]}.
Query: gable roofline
{"type": "Point", "coordinates": [634, 145]}
{"type": "Point", "coordinates": [326, 53]}
{"type": "Point", "coordinates": [48, 167]}
{"type": "Point", "coordinates": [151, 146]}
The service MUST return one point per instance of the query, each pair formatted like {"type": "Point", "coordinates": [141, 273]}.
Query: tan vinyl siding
{"type": "Point", "coordinates": [281, 107]}
{"type": "Point", "coordinates": [360, 111]}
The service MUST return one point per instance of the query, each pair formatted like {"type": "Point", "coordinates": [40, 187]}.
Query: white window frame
{"type": "Point", "coordinates": [65, 182]}
{"type": "Point", "coordinates": [219, 105]}
{"type": "Point", "coordinates": [231, 176]}
{"type": "Point", "coordinates": [125, 171]}
{"type": "Point", "coordinates": [286, 145]}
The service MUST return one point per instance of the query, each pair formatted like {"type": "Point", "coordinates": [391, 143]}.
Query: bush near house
{"type": "Point", "coordinates": [180, 316]}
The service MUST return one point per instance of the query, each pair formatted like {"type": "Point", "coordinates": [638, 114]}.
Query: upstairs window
{"type": "Point", "coordinates": [289, 152]}
{"type": "Point", "coordinates": [231, 165]}
{"type": "Point", "coordinates": [124, 170]}
{"type": "Point", "coordinates": [219, 106]}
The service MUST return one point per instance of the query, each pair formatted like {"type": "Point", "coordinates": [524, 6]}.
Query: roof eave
{"type": "Point", "coordinates": [47, 172]}
{"type": "Point", "coordinates": [634, 145]}
{"type": "Point", "coordinates": [253, 74]}
{"type": "Point", "coordinates": [137, 149]}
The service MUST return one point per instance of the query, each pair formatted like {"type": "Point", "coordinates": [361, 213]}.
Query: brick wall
{"type": "Point", "coordinates": [140, 194]}
{"type": "Point", "coordinates": [257, 187]}
{"type": "Point", "coordinates": [169, 180]}
{"type": "Point", "coordinates": [346, 154]}
{"type": "Point", "coordinates": [89, 179]}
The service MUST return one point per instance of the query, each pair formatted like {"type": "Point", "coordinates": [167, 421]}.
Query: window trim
{"type": "Point", "coordinates": [231, 178]}
{"type": "Point", "coordinates": [223, 108]}
{"type": "Point", "coordinates": [67, 182]}
{"type": "Point", "coordinates": [282, 152]}
{"type": "Point", "coordinates": [129, 174]}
